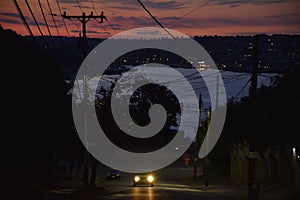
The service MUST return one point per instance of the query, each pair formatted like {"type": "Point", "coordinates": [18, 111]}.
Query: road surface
{"type": "Point", "coordinates": [123, 189]}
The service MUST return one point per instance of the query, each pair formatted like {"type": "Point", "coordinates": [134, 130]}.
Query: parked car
{"type": "Point", "coordinates": [113, 174]}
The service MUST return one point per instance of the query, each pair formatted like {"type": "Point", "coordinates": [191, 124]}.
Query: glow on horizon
{"type": "Point", "coordinates": [218, 17]}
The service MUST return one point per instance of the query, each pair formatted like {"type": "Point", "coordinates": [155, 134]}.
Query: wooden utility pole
{"type": "Point", "coordinates": [253, 87]}
{"type": "Point", "coordinates": [83, 18]}
{"type": "Point", "coordinates": [197, 141]}
{"type": "Point", "coordinates": [207, 137]}
{"type": "Point", "coordinates": [253, 190]}
{"type": "Point", "coordinates": [208, 124]}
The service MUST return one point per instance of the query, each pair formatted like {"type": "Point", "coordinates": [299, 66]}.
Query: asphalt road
{"type": "Point", "coordinates": [168, 186]}
{"type": "Point", "coordinates": [123, 189]}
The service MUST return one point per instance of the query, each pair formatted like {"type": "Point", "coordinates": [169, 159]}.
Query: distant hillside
{"type": "Point", "coordinates": [277, 53]}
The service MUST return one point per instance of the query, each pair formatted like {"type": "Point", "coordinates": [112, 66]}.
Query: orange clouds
{"type": "Point", "coordinates": [215, 18]}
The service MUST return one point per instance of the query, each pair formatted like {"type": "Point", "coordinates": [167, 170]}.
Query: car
{"type": "Point", "coordinates": [113, 174]}
{"type": "Point", "coordinates": [146, 179]}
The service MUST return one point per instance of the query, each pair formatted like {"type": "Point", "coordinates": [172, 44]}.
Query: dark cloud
{"type": "Point", "coordinates": [83, 7]}
{"type": "Point", "coordinates": [114, 25]}
{"type": "Point", "coordinates": [251, 21]}
{"type": "Point", "coordinates": [236, 3]}
{"type": "Point", "coordinates": [170, 5]}
{"type": "Point", "coordinates": [119, 18]}
{"type": "Point", "coordinates": [197, 23]}
{"type": "Point", "coordinates": [283, 15]}
{"type": "Point", "coordinates": [11, 21]}
{"type": "Point", "coordinates": [32, 23]}
{"type": "Point", "coordinates": [133, 4]}
{"type": "Point", "coordinates": [141, 21]}
{"type": "Point", "coordinates": [106, 27]}
{"type": "Point", "coordinates": [10, 15]}
{"type": "Point", "coordinates": [88, 31]}
{"type": "Point", "coordinates": [169, 18]}
{"type": "Point", "coordinates": [124, 7]}
{"type": "Point", "coordinates": [11, 18]}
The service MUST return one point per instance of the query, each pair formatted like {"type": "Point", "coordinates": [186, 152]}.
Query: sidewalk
{"type": "Point", "coordinates": [240, 191]}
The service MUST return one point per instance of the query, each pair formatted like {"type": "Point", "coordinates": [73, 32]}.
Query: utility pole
{"type": "Point", "coordinates": [207, 136]}
{"type": "Point", "coordinates": [253, 87]}
{"type": "Point", "coordinates": [217, 92]}
{"type": "Point", "coordinates": [208, 124]}
{"type": "Point", "coordinates": [253, 188]}
{"type": "Point", "coordinates": [83, 18]}
{"type": "Point", "coordinates": [197, 141]}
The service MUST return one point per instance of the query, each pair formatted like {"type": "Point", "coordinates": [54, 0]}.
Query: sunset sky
{"type": "Point", "coordinates": [191, 17]}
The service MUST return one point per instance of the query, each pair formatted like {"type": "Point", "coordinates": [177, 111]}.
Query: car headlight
{"type": "Point", "coordinates": [136, 179]}
{"type": "Point", "coordinates": [150, 178]}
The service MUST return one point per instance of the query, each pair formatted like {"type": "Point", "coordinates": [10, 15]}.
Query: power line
{"type": "Point", "coordinates": [189, 12]}
{"type": "Point", "coordinates": [52, 16]}
{"type": "Point", "coordinates": [242, 89]}
{"type": "Point", "coordinates": [46, 23]}
{"type": "Point", "coordinates": [192, 78]}
{"type": "Point", "coordinates": [60, 12]}
{"type": "Point", "coordinates": [200, 88]}
{"type": "Point", "coordinates": [154, 18]}
{"type": "Point", "coordinates": [36, 23]}
{"type": "Point", "coordinates": [237, 78]}
{"type": "Point", "coordinates": [59, 9]}
{"type": "Point", "coordinates": [94, 8]}
{"type": "Point", "coordinates": [93, 5]}
{"type": "Point", "coordinates": [23, 19]}
{"type": "Point", "coordinates": [113, 28]}
{"type": "Point", "coordinates": [47, 9]}
{"type": "Point", "coordinates": [79, 6]}
{"type": "Point", "coordinates": [106, 19]}
{"type": "Point", "coordinates": [83, 18]}
{"type": "Point", "coordinates": [59, 58]}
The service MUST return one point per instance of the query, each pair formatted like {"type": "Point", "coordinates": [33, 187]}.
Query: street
{"type": "Point", "coordinates": [123, 189]}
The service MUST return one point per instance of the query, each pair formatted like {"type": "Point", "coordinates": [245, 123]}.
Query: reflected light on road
{"type": "Point", "coordinates": [150, 193]}
{"type": "Point", "coordinates": [142, 194]}
{"type": "Point", "coordinates": [135, 193]}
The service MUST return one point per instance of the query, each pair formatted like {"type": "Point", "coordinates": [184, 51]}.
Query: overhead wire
{"type": "Point", "coordinates": [113, 28]}
{"type": "Point", "coordinates": [207, 83]}
{"type": "Point", "coordinates": [46, 23]}
{"type": "Point", "coordinates": [47, 9]}
{"type": "Point", "coordinates": [79, 6]}
{"type": "Point", "coordinates": [242, 89]}
{"type": "Point", "coordinates": [36, 23]}
{"type": "Point", "coordinates": [237, 78]}
{"type": "Point", "coordinates": [52, 17]}
{"type": "Point", "coordinates": [150, 14]}
{"type": "Point", "coordinates": [24, 20]}
{"type": "Point", "coordinates": [60, 12]}
{"type": "Point", "coordinates": [57, 53]}
{"type": "Point", "coordinates": [95, 10]}
{"type": "Point", "coordinates": [189, 12]}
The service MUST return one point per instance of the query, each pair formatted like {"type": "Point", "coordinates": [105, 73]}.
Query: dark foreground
{"type": "Point", "coordinates": [123, 190]}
